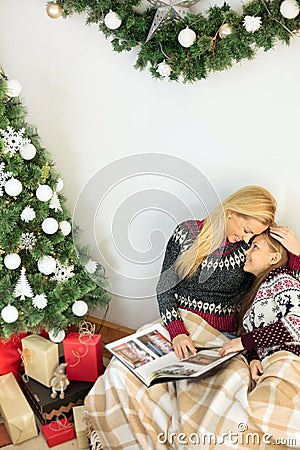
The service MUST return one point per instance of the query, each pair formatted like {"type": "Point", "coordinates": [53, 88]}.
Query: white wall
{"type": "Point", "coordinates": [93, 108]}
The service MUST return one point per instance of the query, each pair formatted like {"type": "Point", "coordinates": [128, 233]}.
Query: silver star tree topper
{"type": "Point", "coordinates": [169, 10]}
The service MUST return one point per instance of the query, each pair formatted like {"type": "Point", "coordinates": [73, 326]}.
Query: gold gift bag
{"type": "Point", "coordinates": [18, 416]}
{"type": "Point", "coordinates": [40, 358]}
{"type": "Point", "coordinates": [80, 427]}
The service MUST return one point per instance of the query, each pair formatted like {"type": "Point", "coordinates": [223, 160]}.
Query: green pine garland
{"type": "Point", "coordinates": [91, 288]}
{"type": "Point", "coordinates": [209, 53]}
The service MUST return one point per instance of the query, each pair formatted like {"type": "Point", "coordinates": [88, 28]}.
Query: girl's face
{"type": "Point", "coordinates": [242, 228]}
{"type": "Point", "coordinates": [259, 256]}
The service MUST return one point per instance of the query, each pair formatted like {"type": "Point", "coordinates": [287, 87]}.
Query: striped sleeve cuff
{"type": "Point", "coordinates": [176, 327]}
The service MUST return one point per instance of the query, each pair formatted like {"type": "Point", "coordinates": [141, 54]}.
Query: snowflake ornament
{"type": "Point", "coordinates": [63, 273]}
{"type": "Point", "coordinates": [252, 23]}
{"type": "Point", "coordinates": [40, 301]}
{"type": "Point", "coordinates": [4, 176]}
{"type": "Point", "coordinates": [27, 214]}
{"type": "Point", "coordinates": [28, 241]}
{"type": "Point", "coordinates": [13, 140]}
{"type": "Point", "coordinates": [91, 266]}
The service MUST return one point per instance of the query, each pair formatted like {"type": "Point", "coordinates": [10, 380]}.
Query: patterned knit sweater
{"type": "Point", "coordinates": [272, 323]}
{"type": "Point", "coordinates": [215, 290]}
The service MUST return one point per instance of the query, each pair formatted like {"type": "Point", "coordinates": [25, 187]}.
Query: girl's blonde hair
{"type": "Point", "coordinates": [274, 246]}
{"type": "Point", "coordinates": [251, 201]}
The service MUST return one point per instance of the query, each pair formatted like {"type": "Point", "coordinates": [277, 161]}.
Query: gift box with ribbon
{"type": "Point", "coordinates": [18, 416]}
{"type": "Point", "coordinates": [58, 431]}
{"type": "Point", "coordinates": [46, 408]}
{"type": "Point", "coordinates": [40, 358]}
{"type": "Point", "coordinates": [83, 353]}
{"type": "Point", "coordinates": [10, 358]}
{"type": "Point", "coordinates": [80, 426]}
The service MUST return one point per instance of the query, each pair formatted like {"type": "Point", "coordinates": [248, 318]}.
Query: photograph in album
{"type": "Point", "coordinates": [149, 354]}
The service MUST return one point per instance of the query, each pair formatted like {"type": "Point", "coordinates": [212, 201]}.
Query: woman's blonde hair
{"type": "Point", "coordinates": [274, 246]}
{"type": "Point", "coordinates": [251, 201]}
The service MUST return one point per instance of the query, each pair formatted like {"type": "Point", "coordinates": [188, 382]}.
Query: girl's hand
{"type": "Point", "coordinates": [183, 346]}
{"type": "Point", "coordinates": [287, 238]}
{"type": "Point", "coordinates": [256, 369]}
{"type": "Point", "coordinates": [235, 345]}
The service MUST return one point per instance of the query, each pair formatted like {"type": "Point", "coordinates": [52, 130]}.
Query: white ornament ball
{"type": "Point", "coordinates": [44, 192]}
{"type": "Point", "coordinates": [56, 335]}
{"type": "Point", "coordinates": [46, 265]}
{"type": "Point", "coordinates": [13, 187]}
{"type": "Point", "coordinates": [28, 151]}
{"type": "Point", "coordinates": [9, 314]}
{"type": "Point", "coordinates": [14, 88]}
{"type": "Point", "coordinates": [112, 20]}
{"type": "Point", "coordinates": [289, 9]}
{"type": "Point", "coordinates": [50, 225]}
{"type": "Point", "coordinates": [65, 227]}
{"type": "Point", "coordinates": [79, 308]}
{"type": "Point", "coordinates": [164, 69]}
{"type": "Point", "coordinates": [12, 261]}
{"type": "Point", "coordinates": [186, 37]}
{"type": "Point", "coordinates": [59, 185]}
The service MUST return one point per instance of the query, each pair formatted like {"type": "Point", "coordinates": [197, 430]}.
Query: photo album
{"type": "Point", "coordinates": [149, 354]}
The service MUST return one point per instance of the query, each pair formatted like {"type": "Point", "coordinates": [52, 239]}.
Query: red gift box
{"type": "Point", "coordinates": [83, 353]}
{"type": "Point", "coordinates": [58, 431]}
{"type": "Point", "coordinates": [10, 354]}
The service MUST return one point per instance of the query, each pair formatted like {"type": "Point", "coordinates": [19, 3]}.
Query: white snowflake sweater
{"type": "Point", "coordinates": [272, 323]}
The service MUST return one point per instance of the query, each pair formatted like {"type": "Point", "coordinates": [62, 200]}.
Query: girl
{"type": "Point", "coordinates": [203, 271]}
{"type": "Point", "coordinates": [270, 315]}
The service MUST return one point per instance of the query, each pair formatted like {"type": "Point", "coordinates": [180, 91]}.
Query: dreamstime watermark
{"type": "Point", "coordinates": [239, 437]}
{"type": "Point", "coordinates": [128, 211]}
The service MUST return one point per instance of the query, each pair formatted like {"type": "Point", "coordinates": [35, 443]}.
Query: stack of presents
{"type": "Point", "coordinates": [48, 394]}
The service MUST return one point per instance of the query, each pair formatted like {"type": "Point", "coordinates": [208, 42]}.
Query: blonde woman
{"type": "Point", "coordinates": [270, 315]}
{"type": "Point", "coordinates": [203, 265]}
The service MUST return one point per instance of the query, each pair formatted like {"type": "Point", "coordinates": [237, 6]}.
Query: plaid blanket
{"type": "Point", "coordinates": [224, 409]}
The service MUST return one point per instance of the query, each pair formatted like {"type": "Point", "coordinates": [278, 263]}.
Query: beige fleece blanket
{"type": "Point", "coordinates": [224, 410]}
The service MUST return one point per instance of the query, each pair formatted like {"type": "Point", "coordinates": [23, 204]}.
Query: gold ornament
{"type": "Point", "coordinates": [225, 30]}
{"type": "Point", "coordinates": [45, 173]}
{"type": "Point", "coordinates": [54, 10]}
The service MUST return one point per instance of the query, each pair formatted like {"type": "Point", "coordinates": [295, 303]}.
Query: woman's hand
{"type": "Point", "coordinates": [287, 238]}
{"type": "Point", "coordinates": [256, 369]}
{"type": "Point", "coordinates": [183, 346]}
{"type": "Point", "coordinates": [235, 345]}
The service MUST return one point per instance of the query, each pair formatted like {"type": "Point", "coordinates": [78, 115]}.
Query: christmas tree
{"type": "Point", "coordinates": [47, 283]}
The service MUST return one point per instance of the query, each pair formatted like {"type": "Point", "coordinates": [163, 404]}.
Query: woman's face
{"type": "Point", "coordinates": [259, 256]}
{"type": "Point", "coordinates": [242, 228]}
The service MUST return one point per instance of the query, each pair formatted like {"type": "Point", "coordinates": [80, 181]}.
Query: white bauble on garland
{"type": "Point", "coordinates": [56, 335]}
{"type": "Point", "coordinates": [14, 88]}
{"type": "Point", "coordinates": [164, 69]}
{"type": "Point", "coordinates": [112, 20]}
{"type": "Point", "coordinates": [12, 261]}
{"type": "Point", "coordinates": [289, 9]}
{"type": "Point", "coordinates": [46, 265]}
{"type": "Point", "coordinates": [28, 151]}
{"type": "Point", "coordinates": [9, 314]}
{"type": "Point", "coordinates": [50, 225]}
{"type": "Point", "coordinates": [79, 308]}
{"type": "Point", "coordinates": [13, 187]}
{"type": "Point", "coordinates": [186, 37]}
{"type": "Point", "coordinates": [44, 192]}
{"type": "Point", "coordinates": [65, 227]}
